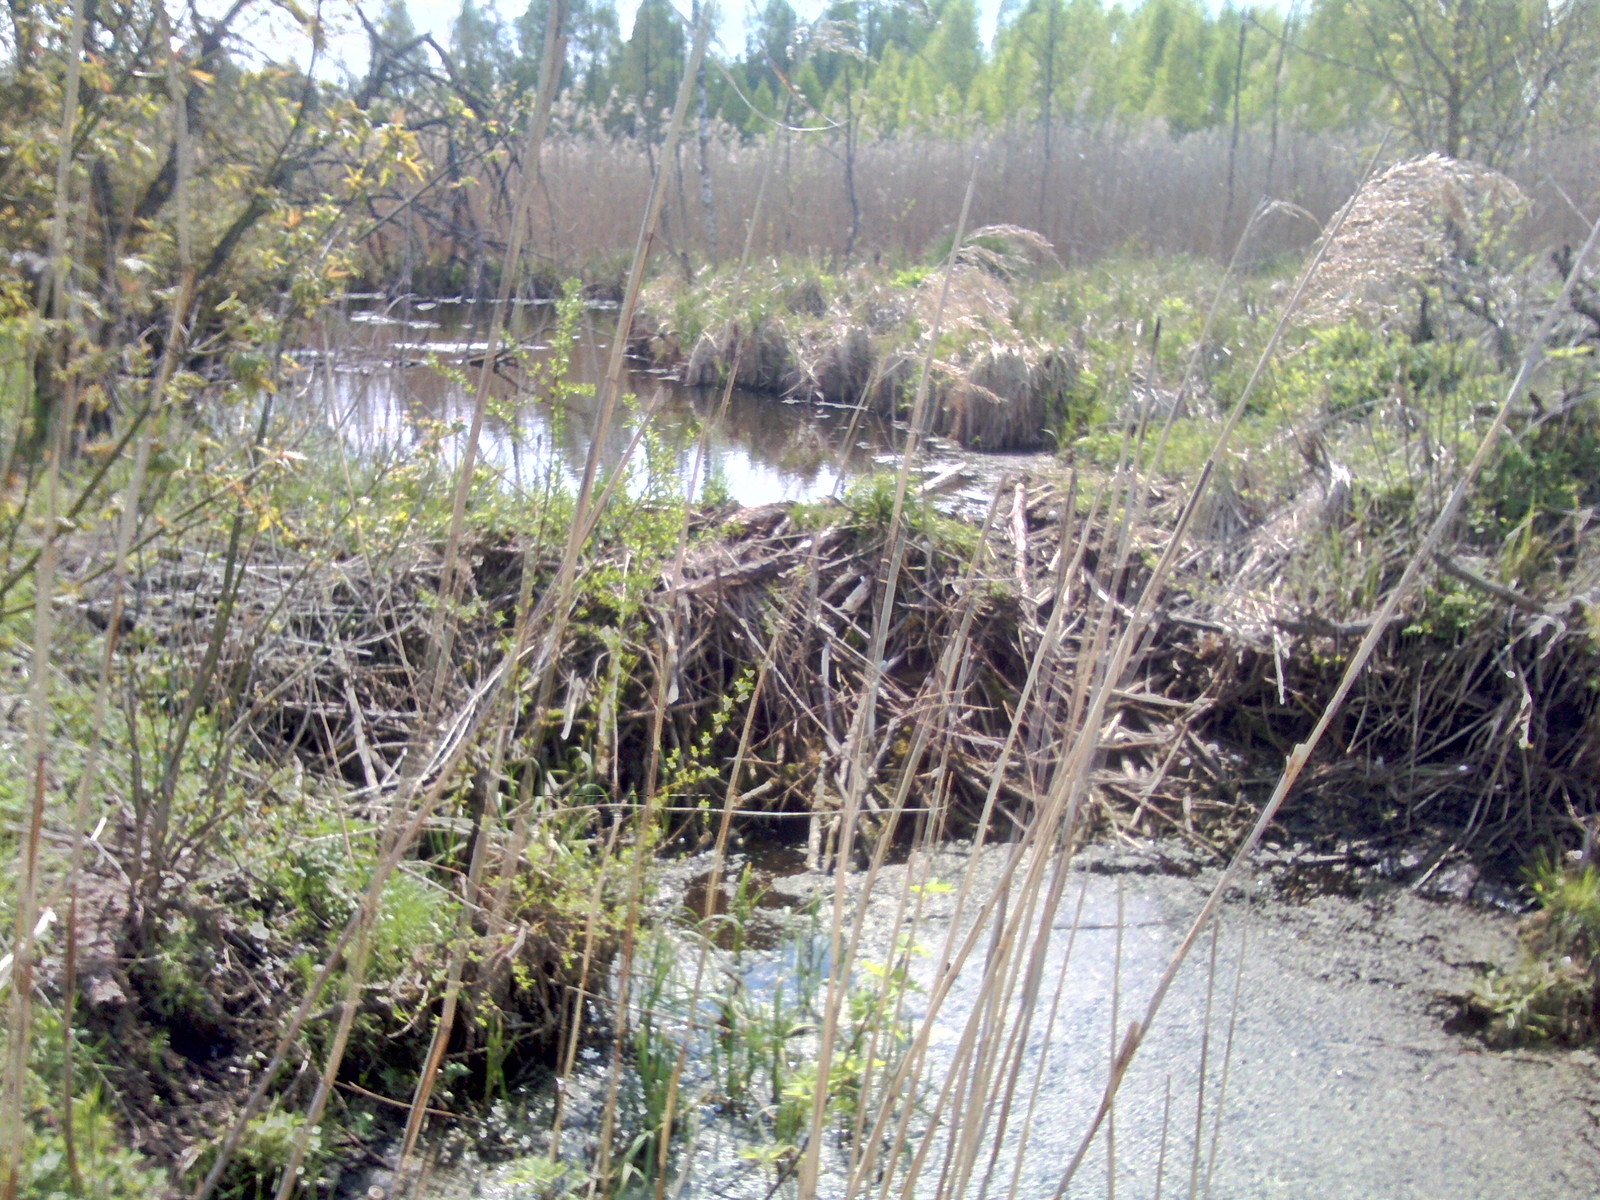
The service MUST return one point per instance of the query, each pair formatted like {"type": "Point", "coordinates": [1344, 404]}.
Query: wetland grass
{"type": "Point", "coordinates": [384, 787]}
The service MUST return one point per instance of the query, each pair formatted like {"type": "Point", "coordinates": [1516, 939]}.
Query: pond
{"type": "Point", "coordinates": [390, 375]}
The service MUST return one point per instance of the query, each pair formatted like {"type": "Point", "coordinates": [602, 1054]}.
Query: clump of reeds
{"type": "Point", "coordinates": [854, 342]}
{"type": "Point", "coordinates": [1005, 397]}
{"type": "Point", "coordinates": [1414, 228]}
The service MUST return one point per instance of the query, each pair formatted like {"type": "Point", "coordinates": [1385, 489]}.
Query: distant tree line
{"type": "Point", "coordinates": [1469, 78]}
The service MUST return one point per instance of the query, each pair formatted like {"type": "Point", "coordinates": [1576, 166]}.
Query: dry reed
{"type": "Point", "coordinates": [1110, 189]}
{"type": "Point", "coordinates": [1409, 231]}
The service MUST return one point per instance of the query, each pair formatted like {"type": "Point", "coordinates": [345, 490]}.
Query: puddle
{"type": "Point", "coordinates": [744, 906]}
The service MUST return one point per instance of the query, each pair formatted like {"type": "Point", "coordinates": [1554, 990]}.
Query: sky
{"type": "Point", "coordinates": [348, 47]}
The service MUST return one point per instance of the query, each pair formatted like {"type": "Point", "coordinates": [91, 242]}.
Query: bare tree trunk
{"type": "Point", "coordinates": [1047, 106]}
{"type": "Point", "coordinates": [1454, 102]}
{"type": "Point", "coordinates": [1277, 88]}
{"type": "Point", "coordinates": [678, 250]}
{"type": "Point", "coordinates": [787, 134]}
{"type": "Point", "coordinates": [1233, 140]}
{"type": "Point", "coordinates": [24, 34]}
{"type": "Point", "coordinates": [707, 199]}
{"type": "Point", "coordinates": [850, 165]}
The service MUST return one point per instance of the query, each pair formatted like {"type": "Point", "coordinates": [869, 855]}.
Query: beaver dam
{"type": "Point", "coordinates": [774, 608]}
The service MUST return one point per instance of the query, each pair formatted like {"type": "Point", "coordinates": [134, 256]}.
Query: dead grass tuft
{"type": "Point", "coordinates": [1008, 251]}
{"type": "Point", "coordinates": [1407, 229]}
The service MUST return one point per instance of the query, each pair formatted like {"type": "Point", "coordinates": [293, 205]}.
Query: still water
{"type": "Point", "coordinates": [1307, 1059]}
{"type": "Point", "coordinates": [392, 376]}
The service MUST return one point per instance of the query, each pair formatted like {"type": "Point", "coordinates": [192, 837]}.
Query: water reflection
{"type": "Point", "coordinates": [393, 377]}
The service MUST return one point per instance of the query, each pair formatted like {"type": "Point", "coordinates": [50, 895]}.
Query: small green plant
{"type": "Point", "coordinates": [870, 503]}
{"type": "Point", "coordinates": [1553, 993]}
{"type": "Point", "coordinates": [253, 1172]}
{"type": "Point", "coordinates": [87, 1159]}
{"type": "Point", "coordinates": [543, 1178]}
{"type": "Point", "coordinates": [1537, 481]}
{"type": "Point", "coordinates": [714, 492]}
{"type": "Point", "coordinates": [656, 1052]}
{"type": "Point", "coordinates": [1570, 902]}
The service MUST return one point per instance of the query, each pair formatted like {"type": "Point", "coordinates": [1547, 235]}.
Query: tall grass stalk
{"type": "Point", "coordinates": [57, 430]}
{"type": "Point", "coordinates": [1227, 1058]}
{"type": "Point", "coordinates": [454, 568]}
{"type": "Point", "coordinates": [1047, 822]}
{"type": "Point", "coordinates": [1205, 1066]}
{"type": "Point", "coordinates": [1116, 1015]}
{"type": "Point", "coordinates": [864, 723]}
{"type": "Point", "coordinates": [1108, 654]}
{"type": "Point", "coordinates": [948, 683]}
{"type": "Point", "coordinates": [1138, 622]}
{"type": "Point", "coordinates": [132, 504]}
{"type": "Point", "coordinates": [549, 76]}
{"type": "Point", "coordinates": [999, 961]}
{"type": "Point", "coordinates": [610, 392]}
{"type": "Point", "coordinates": [1166, 1128]}
{"type": "Point", "coordinates": [1037, 1087]}
{"type": "Point", "coordinates": [663, 678]}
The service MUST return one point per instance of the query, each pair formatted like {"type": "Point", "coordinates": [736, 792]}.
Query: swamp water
{"type": "Point", "coordinates": [1331, 1075]}
{"type": "Point", "coordinates": [391, 376]}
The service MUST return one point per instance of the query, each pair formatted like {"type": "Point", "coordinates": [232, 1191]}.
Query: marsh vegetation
{"type": "Point", "coordinates": [369, 665]}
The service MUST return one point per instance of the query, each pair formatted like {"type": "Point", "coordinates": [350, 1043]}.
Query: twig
{"type": "Point", "coordinates": [1498, 590]}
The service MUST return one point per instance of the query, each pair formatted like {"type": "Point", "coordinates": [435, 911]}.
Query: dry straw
{"type": "Point", "coordinates": [1407, 230]}
{"type": "Point", "coordinates": [54, 438]}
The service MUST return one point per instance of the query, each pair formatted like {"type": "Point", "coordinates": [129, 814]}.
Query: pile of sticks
{"type": "Point", "coordinates": [739, 665]}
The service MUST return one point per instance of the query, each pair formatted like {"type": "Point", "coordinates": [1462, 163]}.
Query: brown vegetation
{"type": "Point", "coordinates": [1119, 188]}
{"type": "Point", "coordinates": [860, 342]}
